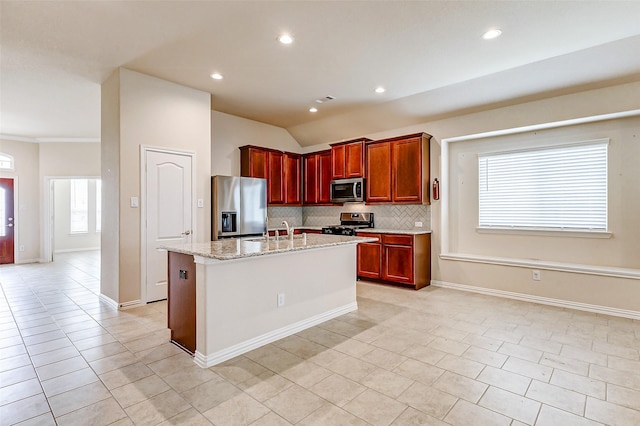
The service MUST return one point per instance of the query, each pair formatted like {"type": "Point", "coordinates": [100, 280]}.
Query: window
{"type": "Point", "coordinates": [6, 162]}
{"type": "Point", "coordinates": [98, 205]}
{"type": "Point", "coordinates": [79, 206]}
{"type": "Point", "coordinates": [561, 188]}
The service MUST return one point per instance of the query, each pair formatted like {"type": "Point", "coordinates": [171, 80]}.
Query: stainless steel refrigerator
{"type": "Point", "coordinates": [239, 206]}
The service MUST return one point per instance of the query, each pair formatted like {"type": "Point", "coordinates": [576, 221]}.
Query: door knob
{"type": "Point", "coordinates": [186, 233]}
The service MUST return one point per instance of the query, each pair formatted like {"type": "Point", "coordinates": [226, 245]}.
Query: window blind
{"type": "Point", "coordinates": [559, 188]}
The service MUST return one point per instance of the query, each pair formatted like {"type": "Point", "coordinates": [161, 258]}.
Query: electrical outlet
{"type": "Point", "coordinates": [21, 247]}
{"type": "Point", "coordinates": [418, 224]}
{"type": "Point", "coordinates": [280, 300]}
{"type": "Point", "coordinates": [536, 275]}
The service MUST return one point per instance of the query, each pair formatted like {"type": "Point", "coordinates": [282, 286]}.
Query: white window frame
{"type": "Point", "coordinates": [564, 227]}
{"type": "Point", "coordinates": [73, 207]}
{"type": "Point", "coordinates": [98, 192]}
{"type": "Point", "coordinates": [6, 158]}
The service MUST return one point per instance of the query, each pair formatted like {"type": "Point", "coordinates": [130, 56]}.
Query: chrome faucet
{"type": "Point", "coordinates": [289, 229]}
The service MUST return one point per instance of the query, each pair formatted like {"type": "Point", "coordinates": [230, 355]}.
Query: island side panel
{"type": "Point", "coordinates": [239, 299]}
{"type": "Point", "coordinates": [181, 298]}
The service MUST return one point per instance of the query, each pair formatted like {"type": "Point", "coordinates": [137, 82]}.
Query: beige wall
{"type": "Point", "coordinates": [229, 132]}
{"type": "Point", "coordinates": [621, 250]}
{"type": "Point", "coordinates": [110, 167]}
{"type": "Point", "coordinates": [34, 164]}
{"type": "Point", "coordinates": [141, 110]}
{"type": "Point", "coordinates": [69, 159]}
{"type": "Point", "coordinates": [27, 195]}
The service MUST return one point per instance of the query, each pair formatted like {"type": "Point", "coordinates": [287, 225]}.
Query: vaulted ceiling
{"type": "Point", "coordinates": [428, 55]}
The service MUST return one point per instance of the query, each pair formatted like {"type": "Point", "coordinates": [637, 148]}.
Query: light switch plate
{"type": "Point", "coordinates": [200, 203]}
{"type": "Point", "coordinates": [134, 202]}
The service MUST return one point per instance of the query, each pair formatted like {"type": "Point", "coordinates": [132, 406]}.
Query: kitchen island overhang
{"type": "Point", "coordinates": [251, 292]}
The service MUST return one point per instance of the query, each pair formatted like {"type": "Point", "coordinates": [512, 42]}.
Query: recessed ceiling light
{"type": "Point", "coordinates": [313, 109]}
{"type": "Point", "coordinates": [380, 89]}
{"type": "Point", "coordinates": [216, 76]}
{"type": "Point", "coordinates": [491, 34]}
{"type": "Point", "coordinates": [285, 38]}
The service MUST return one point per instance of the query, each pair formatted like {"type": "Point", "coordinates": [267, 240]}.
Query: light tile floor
{"type": "Point", "coordinates": [433, 357]}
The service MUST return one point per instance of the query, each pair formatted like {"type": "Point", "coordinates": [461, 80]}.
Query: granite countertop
{"type": "Point", "coordinates": [238, 248]}
{"type": "Point", "coordinates": [416, 231]}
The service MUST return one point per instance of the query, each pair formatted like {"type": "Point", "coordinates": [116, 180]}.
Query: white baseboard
{"type": "Point", "coordinates": [109, 301]}
{"type": "Point", "coordinates": [599, 309]}
{"type": "Point", "coordinates": [206, 361]}
{"type": "Point", "coordinates": [131, 304]}
{"type": "Point", "coordinates": [76, 249]}
{"type": "Point", "coordinates": [22, 261]}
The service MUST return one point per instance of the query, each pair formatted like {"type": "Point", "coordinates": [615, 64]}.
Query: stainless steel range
{"type": "Point", "coordinates": [350, 223]}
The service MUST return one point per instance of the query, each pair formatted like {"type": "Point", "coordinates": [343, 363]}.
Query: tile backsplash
{"type": "Point", "coordinates": [385, 216]}
{"type": "Point", "coordinates": [293, 216]}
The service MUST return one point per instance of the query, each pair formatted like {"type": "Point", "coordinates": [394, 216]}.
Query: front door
{"type": "Point", "coordinates": [169, 200]}
{"type": "Point", "coordinates": [7, 221]}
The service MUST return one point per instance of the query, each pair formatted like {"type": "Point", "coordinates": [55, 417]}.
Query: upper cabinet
{"type": "Point", "coordinates": [254, 162]}
{"type": "Point", "coordinates": [378, 179]}
{"type": "Point", "coordinates": [347, 159]}
{"type": "Point", "coordinates": [397, 170]}
{"type": "Point", "coordinates": [317, 177]}
{"type": "Point", "coordinates": [281, 169]}
{"type": "Point", "coordinates": [292, 177]}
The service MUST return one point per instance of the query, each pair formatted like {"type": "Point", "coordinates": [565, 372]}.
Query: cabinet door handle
{"type": "Point", "coordinates": [186, 233]}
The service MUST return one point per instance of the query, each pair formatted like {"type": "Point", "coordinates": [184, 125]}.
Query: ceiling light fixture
{"type": "Point", "coordinates": [491, 34]}
{"type": "Point", "coordinates": [285, 39]}
{"type": "Point", "coordinates": [216, 76]}
{"type": "Point", "coordinates": [380, 89]}
{"type": "Point", "coordinates": [313, 109]}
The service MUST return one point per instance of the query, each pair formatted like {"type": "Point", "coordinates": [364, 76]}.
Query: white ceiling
{"type": "Point", "coordinates": [428, 54]}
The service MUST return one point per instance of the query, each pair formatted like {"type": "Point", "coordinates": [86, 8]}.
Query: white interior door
{"type": "Point", "coordinates": [169, 200]}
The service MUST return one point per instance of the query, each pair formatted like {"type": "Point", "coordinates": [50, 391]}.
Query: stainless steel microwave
{"type": "Point", "coordinates": [347, 190]}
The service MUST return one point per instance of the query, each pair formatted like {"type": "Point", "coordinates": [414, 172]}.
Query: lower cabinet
{"type": "Point", "coordinates": [181, 301]}
{"type": "Point", "coordinates": [396, 258]}
{"type": "Point", "coordinates": [369, 258]}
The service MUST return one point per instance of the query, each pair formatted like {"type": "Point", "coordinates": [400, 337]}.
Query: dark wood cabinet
{"type": "Point", "coordinates": [370, 258]}
{"type": "Point", "coordinates": [317, 177]}
{"type": "Point", "coordinates": [338, 156]}
{"type": "Point", "coordinates": [253, 162]}
{"type": "Point", "coordinates": [282, 170]}
{"type": "Point", "coordinates": [378, 180]}
{"type": "Point", "coordinates": [406, 170]}
{"type": "Point", "coordinates": [347, 159]}
{"type": "Point", "coordinates": [181, 300]}
{"type": "Point", "coordinates": [310, 179]}
{"type": "Point", "coordinates": [324, 177]}
{"type": "Point", "coordinates": [275, 181]}
{"type": "Point", "coordinates": [396, 258]}
{"type": "Point", "coordinates": [292, 176]}
{"type": "Point", "coordinates": [398, 170]}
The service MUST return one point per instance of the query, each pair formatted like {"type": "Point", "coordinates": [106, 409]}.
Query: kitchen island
{"type": "Point", "coordinates": [253, 291]}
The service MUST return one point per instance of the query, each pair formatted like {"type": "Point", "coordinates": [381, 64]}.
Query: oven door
{"type": "Point", "coordinates": [347, 190]}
